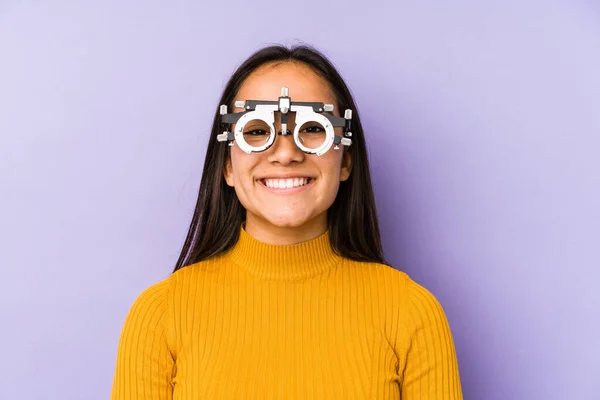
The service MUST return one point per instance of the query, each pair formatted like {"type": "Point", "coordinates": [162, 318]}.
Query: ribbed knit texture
{"type": "Point", "coordinates": [286, 322]}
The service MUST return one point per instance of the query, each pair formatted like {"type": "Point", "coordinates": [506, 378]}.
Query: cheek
{"type": "Point", "coordinates": [330, 164]}
{"type": "Point", "coordinates": [241, 165]}
{"type": "Point", "coordinates": [243, 169]}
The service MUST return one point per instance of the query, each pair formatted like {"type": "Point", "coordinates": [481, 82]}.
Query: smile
{"type": "Point", "coordinates": [289, 183]}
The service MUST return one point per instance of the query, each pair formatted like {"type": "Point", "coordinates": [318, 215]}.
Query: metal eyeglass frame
{"type": "Point", "coordinates": [305, 112]}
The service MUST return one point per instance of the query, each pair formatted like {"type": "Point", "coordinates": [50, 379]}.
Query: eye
{"type": "Point", "coordinates": [255, 131]}
{"type": "Point", "coordinates": [313, 128]}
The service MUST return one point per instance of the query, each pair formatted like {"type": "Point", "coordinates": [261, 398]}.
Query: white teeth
{"type": "Point", "coordinates": [285, 183]}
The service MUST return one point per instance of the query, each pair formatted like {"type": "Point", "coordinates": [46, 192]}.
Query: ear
{"type": "Point", "coordinates": [346, 166]}
{"type": "Point", "coordinates": [228, 171]}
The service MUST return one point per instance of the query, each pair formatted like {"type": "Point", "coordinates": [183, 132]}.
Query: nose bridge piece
{"type": "Point", "coordinates": [286, 123]}
{"type": "Point", "coordinates": [284, 107]}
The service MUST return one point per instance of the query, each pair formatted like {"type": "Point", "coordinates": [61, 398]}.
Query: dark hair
{"type": "Point", "coordinates": [352, 219]}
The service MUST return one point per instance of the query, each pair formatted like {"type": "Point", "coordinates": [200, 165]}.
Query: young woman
{"type": "Point", "coordinates": [281, 289]}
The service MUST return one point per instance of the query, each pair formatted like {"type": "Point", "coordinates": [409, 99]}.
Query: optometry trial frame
{"type": "Point", "coordinates": [311, 120]}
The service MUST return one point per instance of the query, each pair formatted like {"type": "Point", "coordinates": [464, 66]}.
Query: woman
{"type": "Point", "coordinates": [281, 289]}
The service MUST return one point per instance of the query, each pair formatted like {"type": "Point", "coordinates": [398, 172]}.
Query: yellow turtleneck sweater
{"type": "Point", "coordinates": [286, 322]}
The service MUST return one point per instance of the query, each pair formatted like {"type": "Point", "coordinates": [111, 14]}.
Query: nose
{"type": "Point", "coordinates": [284, 150]}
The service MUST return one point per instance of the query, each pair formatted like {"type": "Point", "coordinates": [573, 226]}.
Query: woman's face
{"type": "Point", "coordinates": [297, 213]}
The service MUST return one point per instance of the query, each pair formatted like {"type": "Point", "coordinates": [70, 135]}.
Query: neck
{"type": "Point", "coordinates": [283, 262]}
{"type": "Point", "coordinates": [264, 231]}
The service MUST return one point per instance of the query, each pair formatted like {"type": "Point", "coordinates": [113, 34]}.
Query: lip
{"type": "Point", "coordinates": [291, 190]}
{"type": "Point", "coordinates": [285, 176]}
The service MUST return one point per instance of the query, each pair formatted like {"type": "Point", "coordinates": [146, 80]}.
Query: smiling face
{"type": "Point", "coordinates": [286, 192]}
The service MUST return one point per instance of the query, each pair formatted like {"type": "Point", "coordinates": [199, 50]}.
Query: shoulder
{"type": "Point", "coordinates": [420, 302]}
{"type": "Point", "coordinates": [161, 305]}
{"type": "Point", "coordinates": [150, 304]}
{"type": "Point", "coordinates": [401, 300]}
{"type": "Point", "coordinates": [412, 300]}
{"type": "Point", "coordinates": [412, 311]}
{"type": "Point", "coordinates": [385, 279]}
{"type": "Point", "coordinates": [159, 295]}
{"type": "Point", "coordinates": [147, 315]}
{"type": "Point", "coordinates": [187, 278]}
{"type": "Point", "coordinates": [397, 286]}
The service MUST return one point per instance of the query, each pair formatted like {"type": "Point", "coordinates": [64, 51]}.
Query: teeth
{"type": "Point", "coordinates": [285, 183]}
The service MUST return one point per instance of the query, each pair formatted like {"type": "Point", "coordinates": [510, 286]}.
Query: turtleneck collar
{"type": "Point", "coordinates": [284, 262]}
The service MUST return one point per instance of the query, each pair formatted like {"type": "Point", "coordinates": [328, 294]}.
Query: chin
{"type": "Point", "coordinates": [287, 220]}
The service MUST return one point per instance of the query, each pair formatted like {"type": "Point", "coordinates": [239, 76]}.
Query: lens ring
{"type": "Point", "coordinates": [301, 119]}
{"type": "Point", "coordinates": [267, 117]}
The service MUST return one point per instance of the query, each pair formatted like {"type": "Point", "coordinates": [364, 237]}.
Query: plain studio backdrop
{"type": "Point", "coordinates": [483, 126]}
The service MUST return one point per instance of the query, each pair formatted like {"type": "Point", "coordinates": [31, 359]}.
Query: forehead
{"type": "Point", "coordinates": [304, 84]}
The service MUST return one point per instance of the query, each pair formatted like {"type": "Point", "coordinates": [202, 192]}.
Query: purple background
{"type": "Point", "coordinates": [483, 122]}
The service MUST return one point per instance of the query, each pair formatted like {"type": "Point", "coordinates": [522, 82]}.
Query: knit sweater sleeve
{"type": "Point", "coordinates": [430, 367]}
{"type": "Point", "coordinates": [145, 365]}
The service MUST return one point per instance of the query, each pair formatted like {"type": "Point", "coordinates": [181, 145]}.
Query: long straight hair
{"type": "Point", "coordinates": [352, 218]}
